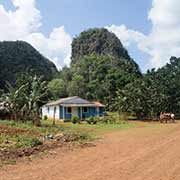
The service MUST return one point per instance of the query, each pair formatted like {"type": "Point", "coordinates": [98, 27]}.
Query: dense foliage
{"type": "Point", "coordinates": [101, 69]}
{"type": "Point", "coordinates": [20, 57]}
{"type": "Point", "coordinates": [100, 66]}
{"type": "Point", "coordinates": [24, 100]}
{"type": "Point", "coordinates": [157, 91]}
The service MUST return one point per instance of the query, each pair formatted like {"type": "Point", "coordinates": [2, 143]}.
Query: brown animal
{"type": "Point", "coordinates": [167, 117]}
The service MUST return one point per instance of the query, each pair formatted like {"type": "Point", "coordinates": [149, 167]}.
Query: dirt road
{"type": "Point", "coordinates": [151, 153]}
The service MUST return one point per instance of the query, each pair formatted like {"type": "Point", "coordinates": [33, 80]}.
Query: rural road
{"type": "Point", "coordinates": [144, 153]}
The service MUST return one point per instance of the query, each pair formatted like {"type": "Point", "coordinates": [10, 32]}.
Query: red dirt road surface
{"type": "Point", "coordinates": [146, 153]}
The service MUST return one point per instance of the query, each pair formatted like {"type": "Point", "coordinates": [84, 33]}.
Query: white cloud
{"type": "Point", "coordinates": [164, 39]}
{"type": "Point", "coordinates": [126, 36]}
{"type": "Point", "coordinates": [24, 23]}
{"type": "Point", "coordinates": [57, 46]}
{"type": "Point", "coordinates": [163, 42]}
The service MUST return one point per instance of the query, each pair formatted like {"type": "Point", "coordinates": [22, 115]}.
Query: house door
{"type": "Point", "coordinates": [74, 111]}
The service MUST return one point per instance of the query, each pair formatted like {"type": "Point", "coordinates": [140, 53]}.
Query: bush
{"type": "Point", "coordinates": [23, 141]}
{"type": "Point", "coordinates": [45, 118]}
{"type": "Point", "coordinates": [110, 120]}
{"type": "Point", "coordinates": [36, 142]}
{"type": "Point", "coordinates": [91, 120]}
{"type": "Point", "coordinates": [75, 119]}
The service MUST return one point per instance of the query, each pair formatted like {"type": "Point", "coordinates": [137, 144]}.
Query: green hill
{"type": "Point", "coordinates": [18, 57]}
{"type": "Point", "coordinates": [100, 66]}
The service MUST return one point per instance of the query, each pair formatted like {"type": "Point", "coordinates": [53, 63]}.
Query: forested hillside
{"type": "Point", "coordinates": [100, 66]}
{"type": "Point", "coordinates": [101, 69]}
{"type": "Point", "coordinates": [20, 57]}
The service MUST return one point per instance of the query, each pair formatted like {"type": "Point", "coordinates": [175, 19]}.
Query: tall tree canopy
{"type": "Point", "coordinates": [157, 91]}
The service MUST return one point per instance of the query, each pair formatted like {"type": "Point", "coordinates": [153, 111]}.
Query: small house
{"type": "Point", "coordinates": [66, 108]}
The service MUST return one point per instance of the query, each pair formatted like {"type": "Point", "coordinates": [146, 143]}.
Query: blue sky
{"type": "Point", "coordinates": [83, 14]}
{"type": "Point", "coordinates": [138, 24]}
{"type": "Point", "coordinates": [79, 15]}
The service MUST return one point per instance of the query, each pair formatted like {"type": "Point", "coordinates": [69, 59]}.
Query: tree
{"type": "Point", "coordinates": [57, 88]}
{"type": "Point", "coordinates": [35, 99]}
{"type": "Point", "coordinates": [14, 98]}
{"type": "Point", "coordinates": [77, 86]}
{"type": "Point", "coordinates": [132, 99]}
{"type": "Point", "coordinates": [120, 102]}
{"type": "Point", "coordinates": [25, 99]}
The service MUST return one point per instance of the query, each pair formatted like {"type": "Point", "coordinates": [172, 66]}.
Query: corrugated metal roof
{"type": "Point", "coordinates": [70, 100]}
{"type": "Point", "coordinates": [79, 105]}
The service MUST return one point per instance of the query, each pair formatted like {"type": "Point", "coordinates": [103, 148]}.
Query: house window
{"type": "Point", "coordinates": [85, 109]}
{"type": "Point", "coordinates": [69, 110]}
{"type": "Point", "coordinates": [48, 110]}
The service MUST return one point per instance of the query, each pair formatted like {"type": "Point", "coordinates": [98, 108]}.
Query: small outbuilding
{"type": "Point", "coordinates": [66, 108]}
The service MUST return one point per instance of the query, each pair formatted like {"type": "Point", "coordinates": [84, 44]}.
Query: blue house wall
{"type": "Point", "coordinates": [61, 112]}
{"type": "Point", "coordinates": [101, 111]}
{"type": "Point", "coordinates": [91, 111]}
{"type": "Point", "coordinates": [67, 116]}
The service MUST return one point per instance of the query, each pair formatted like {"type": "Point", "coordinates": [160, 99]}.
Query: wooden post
{"type": "Point", "coordinates": [63, 112]}
{"type": "Point", "coordinates": [54, 116]}
{"type": "Point", "coordinates": [81, 113]}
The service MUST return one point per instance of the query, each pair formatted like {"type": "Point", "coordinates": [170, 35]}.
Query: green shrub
{"type": "Point", "coordinates": [45, 118]}
{"type": "Point", "coordinates": [108, 120]}
{"type": "Point", "coordinates": [75, 119]}
{"type": "Point", "coordinates": [35, 142]}
{"type": "Point", "coordinates": [88, 120]}
{"type": "Point", "coordinates": [91, 120]}
{"type": "Point", "coordinates": [97, 119]}
{"type": "Point", "coordinates": [24, 141]}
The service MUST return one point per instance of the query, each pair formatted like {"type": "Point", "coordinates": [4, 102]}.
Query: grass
{"type": "Point", "coordinates": [98, 128]}
{"type": "Point", "coordinates": [18, 135]}
{"type": "Point", "coordinates": [15, 135]}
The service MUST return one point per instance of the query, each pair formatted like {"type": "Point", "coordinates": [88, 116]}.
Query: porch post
{"type": "Point", "coordinates": [98, 111]}
{"type": "Point", "coordinates": [63, 113]}
{"type": "Point", "coordinates": [81, 112]}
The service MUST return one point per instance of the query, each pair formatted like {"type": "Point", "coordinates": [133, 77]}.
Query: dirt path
{"type": "Point", "coordinates": [134, 154]}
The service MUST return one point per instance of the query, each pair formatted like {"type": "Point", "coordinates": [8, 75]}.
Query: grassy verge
{"type": "Point", "coordinates": [14, 135]}
{"type": "Point", "coordinates": [17, 135]}
{"type": "Point", "coordinates": [98, 128]}
{"type": "Point", "coordinates": [23, 139]}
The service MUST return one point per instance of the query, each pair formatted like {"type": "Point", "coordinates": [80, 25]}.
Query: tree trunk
{"type": "Point", "coordinates": [36, 120]}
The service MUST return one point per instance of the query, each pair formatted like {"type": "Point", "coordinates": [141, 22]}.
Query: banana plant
{"type": "Point", "coordinates": [14, 99]}
{"type": "Point", "coordinates": [35, 98]}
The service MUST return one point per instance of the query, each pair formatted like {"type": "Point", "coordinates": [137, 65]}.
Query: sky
{"type": "Point", "coordinates": [149, 29]}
